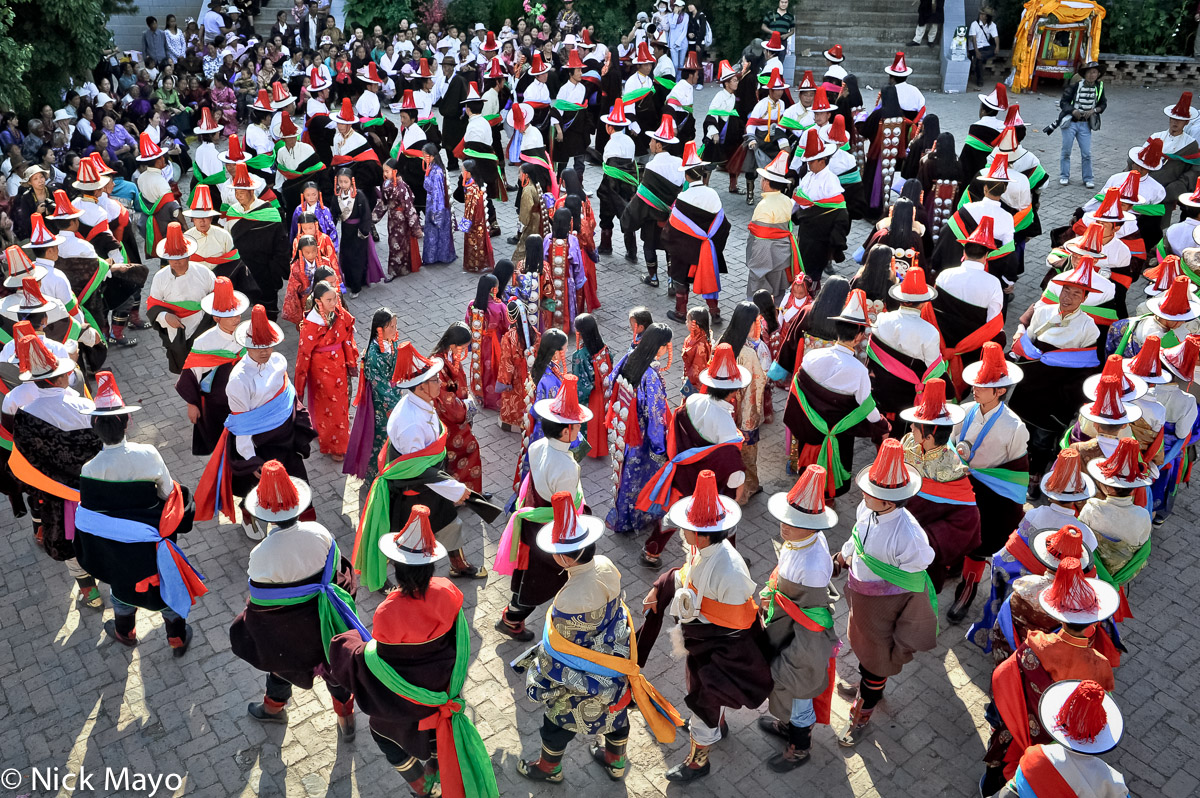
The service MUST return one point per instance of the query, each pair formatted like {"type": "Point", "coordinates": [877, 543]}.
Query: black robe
{"type": "Point", "coordinates": [454, 121]}
{"type": "Point", "coordinates": [126, 567]}
{"type": "Point", "coordinates": [832, 407]}
{"type": "Point", "coordinates": [264, 248]}
{"type": "Point", "coordinates": [685, 250]}
{"type": "Point", "coordinates": [213, 404]}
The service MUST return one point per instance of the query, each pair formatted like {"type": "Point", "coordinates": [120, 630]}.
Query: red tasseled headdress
{"type": "Point", "coordinates": [1070, 591]}
{"type": "Point", "coordinates": [1066, 542]}
{"type": "Point", "coordinates": [566, 403]}
{"type": "Point", "coordinates": [223, 298]}
{"type": "Point", "coordinates": [1108, 398]}
{"type": "Point", "coordinates": [409, 363]}
{"type": "Point", "coordinates": [707, 509]}
{"type": "Point", "coordinates": [566, 520]}
{"type": "Point", "coordinates": [933, 400]}
{"type": "Point", "coordinates": [276, 491]}
{"type": "Point", "coordinates": [1125, 463]}
{"type": "Point", "coordinates": [261, 332]}
{"type": "Point", "coordinates": [808, 494]}
{"type": "Point", "coordinates": [993, 367]}
{"type": "Point", "coordinates": [1176, 302]}
{"type": "Point", "coordinates": [1146, 362]}
{"type": "Point", "coordinates": [426, 542]}
{"type": "Point", "coordinates": [1067, 474]}
{"type": "Point", "coordinates": [1082, 716]}
{"type": "Point", "coordinates": [888, 470]}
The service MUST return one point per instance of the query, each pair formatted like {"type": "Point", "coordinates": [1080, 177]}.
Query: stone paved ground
{"type": "Point", "coordinates": [74, 699]}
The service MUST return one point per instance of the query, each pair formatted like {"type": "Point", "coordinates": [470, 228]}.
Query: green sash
{"type": "Point", "coordinates": [635, 95]}
{"type": "Point", "coordinates": [792, 124]}
{"type": "Point", "coordinates": [473, 762]}
{"type": "Point", "coordinates": [620, 174]}
{"type": "Point", "coordinates": [262, 162]}
{"type": "Point", "coordinates": [487, 156]}
{"type": "Point", "coordinates": [566, 106]}
{"type": "Point", "coordinates": [830, 456]}
{"type": "Point", "coordinates": [332, 624]}
{"type": "Point", "coordinates": [913, 582]}
{"type": "Point", "coordinates": [649, 197]}
{"type": "Point", "coordinates": [1091, 310]}
{"type": "Point", "coordinates": [976, 143]}
{"type": "Point", "coordinates": [664, 81]}
{"type": "Point", "coordinates": [1126, 571]}
{"type": "Point", "coordinates": [103, 267]}
{"type": "Point", "coordinates": [722, 112]}
{"type": "Point", "coordinates": [264, 214]}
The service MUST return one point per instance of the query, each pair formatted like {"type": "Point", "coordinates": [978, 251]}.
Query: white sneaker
{"type": "Point", "coordinates": [252, 531]}
{"type": "Point", "coordinates": [699, 88]}
{"type": "Point", "coordinates": [1089, 184]}
{"type": "Point", "coordinates": [1062, 181]}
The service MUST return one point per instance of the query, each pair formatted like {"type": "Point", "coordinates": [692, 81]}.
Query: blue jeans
{"type": "Point", "coordinates": [803, 714]}
{"type": "Point", "coordinates": [1071, 131]}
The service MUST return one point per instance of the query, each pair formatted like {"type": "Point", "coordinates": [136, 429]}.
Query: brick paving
{"type": "Point", "coordinates": [74, 699]}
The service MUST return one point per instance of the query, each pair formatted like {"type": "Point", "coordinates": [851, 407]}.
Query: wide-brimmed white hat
{"type": "Point", "coordinates": [933, 409]}
{"type": "Point", "coordinates": [705, 510]}
{"type": "Point", "coordinates": [564, 407]}
{"type": "Point", "coordinates": [1058, 694]}
{"type": "Point", "coordinates": [804, 505]}
{"type": "Point", "coordinates": [224, 302]}
{"type": "Point", "coordinates": [570, 530]}
{"type": "Point", "coordinates": [278, 496]}
{"type": "Point", "coordinates": [1043, 540]}
{"type": "Point", "coordinates": [889, 478]}
{"type": "Point", "coordinates": [412, 368]}
{"type": "Point", "coordinates": [259, 332]}
{"type": "Point", "coordinates": [723, 372]}
{"type": "Point", "coordinates": [415, 544]}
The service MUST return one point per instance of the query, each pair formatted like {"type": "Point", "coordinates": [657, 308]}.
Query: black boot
{"type": "Point", "coordinates": [605, 247]}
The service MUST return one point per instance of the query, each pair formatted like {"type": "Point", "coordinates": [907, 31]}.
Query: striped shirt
{"type": "Point", "coordinates": [1086, 96]}
{"type": "Point", "coordinates": [783, 23]}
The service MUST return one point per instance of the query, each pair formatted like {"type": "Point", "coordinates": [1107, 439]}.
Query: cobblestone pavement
{"type": "Point", "coordinates": [74, 699]}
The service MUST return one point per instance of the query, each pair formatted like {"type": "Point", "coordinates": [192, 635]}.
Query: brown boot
{"type": "Point", "coordinates": [694, 767]}
{"type": "Point", "coordinates": [733, 186]}
{"type": "Point", "coordinates": [856, 729]}
{"type": "Point", "coordinates": [605, 247]}
{"type": "Point", "coordinates": [461, 568]}
{"type": "Point", "coordinates": [749, 190]}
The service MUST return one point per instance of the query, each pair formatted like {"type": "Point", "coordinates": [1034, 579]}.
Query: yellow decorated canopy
{"type": "Point", "coordinates": [1039, 23]}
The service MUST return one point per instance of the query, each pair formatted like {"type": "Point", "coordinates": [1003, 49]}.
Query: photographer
{"type": "Point", "coordinates": [981, 42]}
{"type": "Point", "coordinates": [1081, 105]}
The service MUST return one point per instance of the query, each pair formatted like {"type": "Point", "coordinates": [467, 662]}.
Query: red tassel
{"type": "Point", "coordinates": [1066, 542]}
{"type": "Point", "coordinates": [1082, 716]}
{"type": "Point", "coordinates": [1070, 591]}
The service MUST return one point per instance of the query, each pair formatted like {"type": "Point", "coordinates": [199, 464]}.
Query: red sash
{"type": "Point", "coordinates": [958, 491]}
{"type": "Point", "coordinates": [1008, 694]}
{"type": "Point", "coordinates": [775, 234]}
{"type": "Point", "coordinates": [975, 340]}
{"type": "Point", "coordinates": [181, 312]}
{"type": "Point", "coordinates": [216, 260]}
{"type": "Point", "coordinates": [1021, 552]}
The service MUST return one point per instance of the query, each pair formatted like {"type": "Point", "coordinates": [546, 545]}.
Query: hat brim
{"type": "Point", "coordinates": [1133, 156]}
{"type": "Point", "coordinates": [1107, 598]}
{"type": "Point", "coordinates": [387, 545]}
{"type": "Point", "coordinates": [56, 241]}
{"type": "Point", "coordinates": [954, 416]}
{"type": "Point", "coordinates": [542, 408]}
{"type": "Point", "coordinates": [206, 304]}
{"type": "Point", "coordinates": [591, 527]}
{"type": "Point", "coordinates": [863, 480]}
{"type": "Point", "coordinates": [770, 49]}
{"type": "Point", "coordinates": [1054, 495]}
{"type": "Point", "coordinates": [62, 217]}
{"type": "Point", "coordinates": [1155, 307]}
{"type": "Point", "coordinates": [338, 119]}
{"type": "Point", "coordinates": [828, 148]}
{"type": "Point", "coordinates": [662, 140]}
{"type": "Point", "coordinates": [1052, 701]}
{"type": "Point", "coordinates": [984, 99]}
{"type": "Point", "coordinates": [1075, 249]}
{"type": "Point", "coordinates": [63, 365]}
{"type": "Point", "coordinates": [205, 131]}
{"type": "Point", "coordinates": [1174, 371]}
{"type": "Point", "coordinates": [833, 59]}
{"type": "Point", "coordinates": [303, 493]}
{"type": "Point", "coordinates": [258, 184]}
{"type": "Point", "coordinates": [152, 158]}
{"type": "Point", "coordinates": [677, 515]}
{"type": "Point", "coordinates": [224, 158]}
{"type": "Point", "coordinates": [859, 322]}
{"type": "Point", "coordinates": [1162, 378]}
{"type": "Point", "coordinates": [898, 73]}
{"type": "Point", "coordinates": [605, 119]}
{"type": "Point", "coordinates": [895, 293]}
{"type": "Point", "coordinates": [1039, 548]}
{"type": "Point", "coordinates": [785, 513]}
{"type": "Point", "coordinates": [726, 385]}
{"type": "Point", "coordinates": [1170, 112]}
{"type": "Point", "coordinates": [279, 105]}
{"type": "Point", "coordinates": [1139, 387]}
{"type": "Point", "coordinates": [1132, 414]}
{"type": "Point", "coordinates": [14, 281]}
{"type": "Point", "coordinates": [201, 214]}
{"type": "Point", "coordinates": [436, 365]}
{"type": "Point", "coordinates": [160, 250]}
{"type": "Point", "coordinates": [1087, 289]}
{"type": "Point", "coordinates": [1092, 218]}
{"type": "Point", "coordinates": [86, 186]}
{"type": "Point", "coordinates": [1093, 468]}
{"type": "Point", "coordinates": [971, 372]}
{"type": "Point", "coordinates": [687, 167]}
{"type": "Point", "coordinates": [12, 304]}
{"type": "Point", "coordinates": [242, 336]}
{"type": "Point", "coordinates": [774, 178]}
{"type": "Point", "coordinates": [123, 410]}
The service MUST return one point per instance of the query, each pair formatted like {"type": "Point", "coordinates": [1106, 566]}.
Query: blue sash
{"type": "Point", "coordinates": [324, 590]}
{"type": "Point", "coordinates": [171, 586]}
{"type": "Point", "coordinates": [1060, 358]}
{"type": "Point", "coordinates": [1012, 491]}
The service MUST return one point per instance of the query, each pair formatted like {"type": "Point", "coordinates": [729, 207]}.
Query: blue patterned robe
{"type": "Point", "coordinates": [640, 463]}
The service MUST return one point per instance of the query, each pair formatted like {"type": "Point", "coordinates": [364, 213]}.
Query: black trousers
{"type": "Point", "coordinates": [280, 689]}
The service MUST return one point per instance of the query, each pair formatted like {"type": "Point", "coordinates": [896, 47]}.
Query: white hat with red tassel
{"type": "Point", "coordinates": [804, 505]}
{"type": "Point", "coordinates": [723, 372]}
{"type": "Point", "coordinates": [564, 408]}
{"type": "Point", "coordinates": [416, 543]}
{"type": "Point", "coordinates": [278, 496]}
{"type": "Point", "coordinates": [570, 530]}
{"type": "Point", "coordinates": [706, 510]}
{"type": "Point", "coordinates": [889, 478]}
{"type": "Point", "coordinates": [1081, 716]}
{"type": "Point", "coordinates": [108, 399]}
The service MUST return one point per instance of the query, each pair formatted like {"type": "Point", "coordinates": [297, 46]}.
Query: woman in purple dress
{"type": "Point", "coordinates": [439, 227]}
{"type": "Point", "coordinates": [487, 318]}
{"type": "Point", "coordinates": [641, 412]}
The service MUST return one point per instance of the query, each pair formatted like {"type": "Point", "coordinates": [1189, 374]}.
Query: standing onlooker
{"type": "Point", "coordinates": [677, 36]}
{"type": "Point", "coordinates": [930, 16]}
{"type": "Point", "coordinates": [176, 41]}
{"type": "Point", "coordinates": [780, 20]}
{"type": "Point", "coordinates": [154, 41]}
{"type": "Point", "coordinates": [568, 20]}
{"type": "Point", "coordinates": [698, 38]}
{"type": "Point", "coordinates": [213, 23]}
{"type": "Point", "coordinates": [1085, 101]}
{"type": "Point", "coordinates": [981, 42]}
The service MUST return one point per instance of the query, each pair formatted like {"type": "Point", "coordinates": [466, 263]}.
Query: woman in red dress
{"type": "Point", "coordinates": [487, 319]}
{"type": "Point", "coordinates": [592, 364]}
{"type": "Point", "coordinates": [307, 267]}
{"type": "Point", "coordinates": [326, 361]}
{"type": "Point", "coordinates": [457, 410]}
{"type": "Point", "coordinates": [516, 347]}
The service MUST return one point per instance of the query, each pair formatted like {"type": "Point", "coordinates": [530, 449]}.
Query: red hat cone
{"type": "Point", "coordinates": [933, 401]}
{"type": "Point", "coordinates": [837, 130]}
{"type": "Point", "coordinates": [62, 204]}
{"type": "Point", "coordinates": [821, 101]}
{"type": "Point", "coordinates": [224, 300]}
{"type": "Point", "coordinates": [1152, 154]}
{"type": "Point", "coordinates": [1131, 187]}
{"type": "Point", "coordinates": [706, 509]}
{"type": "Point", "coordinates": [32, 290]}
{"type": "Point", "coordinates": [1125, 463]}
{"type": "Point", "coordinates": [1066, 542]}
{"type": "Point", "coordinates": [19, 264]}
{"type": "Point", "coordinates": [407, 101]}
{"type": "Point", "coordinates": [1109, 206]}
{"type": "Point", "coordinates": [108, 394]}
{"type": "Point", "coordinates": [409, 363]}
{"type": "Point", "coordinates": [263, 101]}
{"type": "Point", "coordinates": [35, 358]}
{"type": "Point", "coordinates": [201, 199]}
{"type": "Point", "coordinates": [914, 283]}
{"type": "Point", "coordinates": [1114, 366]}
{"type": "Point", "coordinates": [423, 71]}
{"type": "Point", "coordinates": [835, 53]}
{"type": "Point", "coordinates": [536, 64]}
{"type": "Point", "coordinates": [808, 494]}
{"type": "Point", "coordinates": [691, 158]}
{"type": "Point", "coordinates": [241, 177]}
{"type": "Point", "coordinates": [776, 81]}
{"type": "Point", "coordinates": [808, 82]}
{"type": "Point", "coordinates": [87, 171]}
{"type": "Point", "coordinates": [1164, 273]}
{"type": "Point", "coordinates": [347, 110]}
{"type": "Point", "coordinates": [207, 122]}
{"type": "Point", "coordinates": [1177, 302]}
{"type": "Point", "coordinates": [495, 69]}
{"type": "Point", "coordinates": [235, 153]}
{"type": "Point", "coordinates": [276, 491]}
{"type": "Point", "coordinates": [723, 365]}
{"type": "Point", "coordinates": [1066, 477]}
{"type": "Point", "coordinates": [573, 60]}
{"type": "Point", "coordinates": [1093, 239]}
{"type": "Point", "coordinates": [998, 168]}
{"type": "Point", "coordinates": [1001, 92]}
{"type": "Point", "coordinates": [1108, 402]}
{"type": "Point", "coordinates": [692, 62]}
{"type": "Point", "coordinates": [1082, 716]}
{"type": "Point", "coordinates": [775, 43]}
{"type": "Point", "coordinates": [261, 332]}
{"type": "Point", "coordinates": [287, 128]}
{"type": "Point", "coordinates": [280, 93]}
{"type": "Point", "coordinates": [175, 245]}
{"type": "Point", "coordinates": [104, 169]}
{"type": "Point", "coordinates": [489, 42]}
{"type": "Point", "coordinates": [566, 401]}
{"type": "Point", "coordinates": [899, 65]}
{"type": "Point", "coordinates": [813, 146]}
{"type": "Point", "coordinates": [615, 117]}
{"type": "Point", "coordinates": [666, 128]}
{"type": "Point", "coordinates": [147, 149]}
{"type": "Point", "coordinates": [40, 235]}
{"type": "Point", "coordinates": [566, 518]}
{"type": "Point", "coordinates": [888, 471]}
{"type": "Point", "coordinates": [585, 37]}
{"type": "Point", "coordinates": [1070, 591]}
{"type": "Point", "coordinates": [22, 328]}
{"type": "Point", "coordinates": [983, 234]}
{"type": "Point", "coordinates": [1185, 357]}
{"type": "Point", "coordinates": [1183, 108]}
{"type": "Point", "coordinates": [1145, 362]}
{"type": "Point", "coordinates": [643, 54]}
{"type": "Point", "coordinates": [1013, 117]}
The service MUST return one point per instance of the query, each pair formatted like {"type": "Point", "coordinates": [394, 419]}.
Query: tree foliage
{"type": "Point", "coordinates": [63, 39]}
{"type": "Point", "coordinates": [386, 13]}
{"type": "Point", "coordinates": [1148, 27]}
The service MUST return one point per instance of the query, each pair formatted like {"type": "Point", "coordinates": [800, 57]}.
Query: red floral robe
{"type": "Point", "coordinates": [295, 297]}
{"type": "Point", "coordinates": [490, 325]}
{"type": "Point", "coordinates": [462, 449]}
{"type": "Point", "coordinates": [477, 242]}
{"type": "Point", "coordinates": [513, 371]}
{"type": "Point", "coordinates": [325, 361]}
{"type": "Point", "coordinates": [697, 351]}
